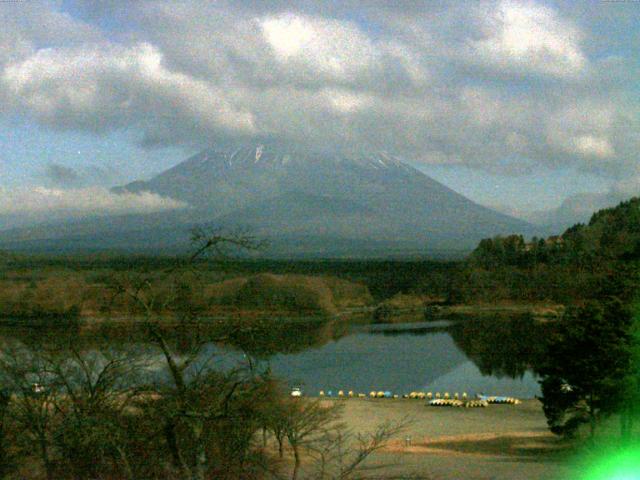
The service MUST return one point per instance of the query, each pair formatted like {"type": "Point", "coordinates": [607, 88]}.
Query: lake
{"type": "Point", "coordinates": [475, 356]}
{"type": "Point", "coordinates": [494, 356]}
{"type": "Point", "coordinates": [415, 359]}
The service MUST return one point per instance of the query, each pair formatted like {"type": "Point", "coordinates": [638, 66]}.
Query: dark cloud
{"type": "Point", "coordinates": [62, 176]}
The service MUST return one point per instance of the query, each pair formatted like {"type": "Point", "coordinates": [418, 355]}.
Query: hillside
{"type": "Point", "coordinates": [585, 261]}
{"type": "Point", "coordinates": [612, 234]}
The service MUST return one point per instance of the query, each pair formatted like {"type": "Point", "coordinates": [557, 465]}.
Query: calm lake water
{"type": "Point", "coordinates": [491, 356]}
{"type": "Point", "coordinates": [443, 356]}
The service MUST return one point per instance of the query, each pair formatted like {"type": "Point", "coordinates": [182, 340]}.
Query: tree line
{"type": "Point", "coordinates": [590, 364]}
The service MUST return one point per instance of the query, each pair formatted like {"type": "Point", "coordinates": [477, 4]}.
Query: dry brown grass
{"type": "Point", "coordinates": [58, 293]}
{"type": "Point", "coordinates": [499, 442]}
{"type": "Point", "coordinates": [50, 296]}
{"type": "Point", "coordinates": [540, 309]}
{"type": "Point", "coordinates": [289, 293]}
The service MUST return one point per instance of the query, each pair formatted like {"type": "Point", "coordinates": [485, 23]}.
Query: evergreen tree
{"type": "Point", "coordinates": [632, 381]}
{"type": "Point", "coordinates": [587, 364]}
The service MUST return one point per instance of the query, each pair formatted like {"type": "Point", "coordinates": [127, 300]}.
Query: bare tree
{"type": "Point", "coordinates": [301, 421]}
{"type": "Point", "coordinates": [71, 405]}
{"type": "Point", "coordinates": [216, 243]}
{"type": "Point", "coordinates": [32, 386]}
{"type": "Point", "coordinates": [340, 454]}
{"type": "Point", "coordinates": [209, 417]}
{"type": "Point", "coordinates": [156, 292]}
{"type": "Point", "coordinates": [94, 390]}
{"type": "Point", "coordinates": [192, 403]}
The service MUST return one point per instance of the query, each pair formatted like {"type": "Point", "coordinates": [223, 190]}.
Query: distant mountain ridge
{"type": "Point", "coordinates": [575, 209]}
{"type": "Point", "coordinates": [281, 191]}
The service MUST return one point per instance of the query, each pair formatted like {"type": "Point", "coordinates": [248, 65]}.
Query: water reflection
{"type": "Point", "coordinates": [499, 346]}
{"type": "Point", "coordinates": [490, 355]}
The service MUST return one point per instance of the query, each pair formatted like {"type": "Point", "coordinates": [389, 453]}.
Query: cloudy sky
{"type": "Point", "coordinates": [516, 104]}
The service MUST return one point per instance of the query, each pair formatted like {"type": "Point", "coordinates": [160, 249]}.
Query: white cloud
{"type": "Point", "coordinates": [344, 101]}
{"type": "Point", "coordinates": [331, 48]}
{"type": "Point", "coordinates": [26, 25]}
{"type": "Point", "coordinates": [81, 202]}
{"type": "Point", "coordinates": [630, 184]}
{"type": "Point", "coordinates": [590, 145]}
{"type": "Point", "coordinates": [526, 36]}
{"type": "Point", "coordinates": [481, 107]}
{"type": "Point", "coordinates": [583, 129]}
{"type": "Point", "coordinates": [104, 87]}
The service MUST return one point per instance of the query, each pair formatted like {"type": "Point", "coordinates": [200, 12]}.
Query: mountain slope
{"type": "Point", "coordinates": [286, 192]}
{"type": "Point", "coordinates": [375, 195]}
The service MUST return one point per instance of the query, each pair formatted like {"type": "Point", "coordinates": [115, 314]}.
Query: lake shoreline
{"type": "Point", "coordinates": [428, 312]}
{"type": "Point", "coordinates": [540, 311]}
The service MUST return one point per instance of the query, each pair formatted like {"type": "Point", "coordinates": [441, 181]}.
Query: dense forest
{"type": "Point", "coordinates": [567, 268]}
{"type": "Point", "coordinates": [611, 235]}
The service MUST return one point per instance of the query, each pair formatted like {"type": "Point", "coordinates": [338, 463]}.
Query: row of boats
{"type": "Point", "coordinates": [479, 401]}
{"type": "Point", "coordinates": [436, 400]}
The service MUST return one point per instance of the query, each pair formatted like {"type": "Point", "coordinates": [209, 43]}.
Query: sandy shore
{"type": "Point", "coordinates": [497, 442]}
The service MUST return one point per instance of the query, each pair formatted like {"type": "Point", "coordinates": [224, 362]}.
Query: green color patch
{"type": "Point", "coordinates": [620, 465]}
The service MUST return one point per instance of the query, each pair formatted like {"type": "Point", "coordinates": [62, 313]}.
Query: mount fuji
{"type": "Point", "coordinates": [306, 203]}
